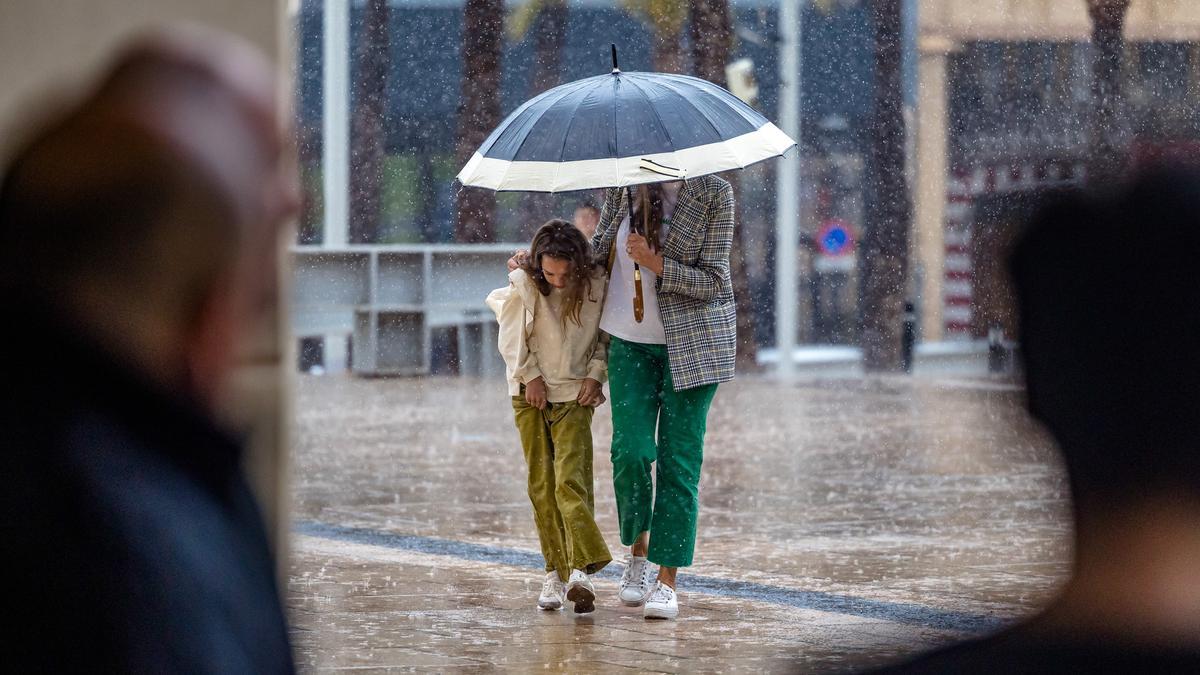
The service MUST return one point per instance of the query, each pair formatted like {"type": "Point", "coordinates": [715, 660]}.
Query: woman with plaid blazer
{"type": "Point", "coordinates": [664, 367]}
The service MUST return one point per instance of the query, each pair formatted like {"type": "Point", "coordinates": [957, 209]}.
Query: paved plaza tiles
{"type": "Point", "coordinates": [843, 523]}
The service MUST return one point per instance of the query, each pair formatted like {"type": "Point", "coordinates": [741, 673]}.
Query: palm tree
{"type": "Point", "coordinates": [548, 21]}
{"type": "Point", "coordinates": [666, 19]}
{"type": "Point", "coordinates": [478, 111]}
{"type": "Point", "coordinates": [883, 256]}
{"type": "Point", "coordinates": [711, 33]}
{"type": "Point", "coordinates": [368, 137]}
{"type": "Point", "coordinates": [1108, 46]}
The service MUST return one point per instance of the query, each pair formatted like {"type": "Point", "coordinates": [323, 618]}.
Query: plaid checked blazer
{"type": "Point", "coordinates": [695, 295]}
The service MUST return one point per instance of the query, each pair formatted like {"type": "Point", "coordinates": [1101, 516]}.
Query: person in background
{"type": "Point", "coordinates": [587, 216]}
{"type": "Point", "coordinates": [550, 339]}
{"type": "Point", "coordinates": [138, 237]}
{"type": "Point", "coordinates": [1110, 309]}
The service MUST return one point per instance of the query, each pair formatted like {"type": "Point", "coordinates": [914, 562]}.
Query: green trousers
{"type": "Point", "coordinates": [558, 452]}
{"type": "Point", "coordinates": [644, 401]}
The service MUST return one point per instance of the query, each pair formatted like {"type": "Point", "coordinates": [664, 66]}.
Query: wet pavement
{"type": "Point", "coordinates": [843, 523]}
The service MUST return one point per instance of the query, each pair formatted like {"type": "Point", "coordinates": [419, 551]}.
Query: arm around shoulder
{"type": "Point", "coordinates": [602, 240]}
{"type": "Point", "coordinates": [598, 363]}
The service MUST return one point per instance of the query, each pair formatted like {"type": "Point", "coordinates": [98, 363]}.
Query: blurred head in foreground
{"type": "Point", "coordinates": [137, 239]}
{"type": "Point", "coordinates": [1109, 299]}
{"type": "Point", "coordinates": [149, 212]}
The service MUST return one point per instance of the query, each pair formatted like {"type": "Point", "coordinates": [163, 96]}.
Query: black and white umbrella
{"type": "Point", "coordinates": [622, 129]}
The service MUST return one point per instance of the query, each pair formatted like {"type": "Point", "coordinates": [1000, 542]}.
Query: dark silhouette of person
{"type": "Point", "coordinates": [1109, 306]}
{"type": "Point", "coordinates": [138, 230]}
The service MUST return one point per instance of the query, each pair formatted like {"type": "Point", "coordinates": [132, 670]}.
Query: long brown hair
{"type": "Point", "coordinates": [562, 240]}
{"type": "Point", "coordinates": [649, 202]}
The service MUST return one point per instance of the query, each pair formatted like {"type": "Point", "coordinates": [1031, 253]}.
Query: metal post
{"type": "Point", "coordinates": [787, 204]}
{"type": "Point", "coordinates": [336, 155]}
{"type": "Point", "coordinates": [335, 158]}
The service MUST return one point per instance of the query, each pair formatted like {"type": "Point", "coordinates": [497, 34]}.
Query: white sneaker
{"type": "Point", "coordinates": [552, 592]}
{"type": "Point", "coordinates": [581, 592]}
{"type": "Point", "coordinates": [663, 603]}
{"type": "Point", "coordinates": [637, 581]}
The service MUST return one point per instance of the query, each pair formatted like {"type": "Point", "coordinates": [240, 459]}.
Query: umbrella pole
{"type": "Point", "coordinates": [639, 303]}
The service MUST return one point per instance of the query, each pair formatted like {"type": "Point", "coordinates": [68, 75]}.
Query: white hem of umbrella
{"type": "Point", "coordinates": [736, 153]}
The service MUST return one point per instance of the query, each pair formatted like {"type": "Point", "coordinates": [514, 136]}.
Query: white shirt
{"type": "Point", "coordinates": [617, 319]}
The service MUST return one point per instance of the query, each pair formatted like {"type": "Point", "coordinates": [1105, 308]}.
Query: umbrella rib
{"type": "Point", "coordinates": [570, 90]}
{"type": "Point", "coordinates": [734, 103]}
{"type": "Point", "coordinates": [720, 137]}
{"type": "Point", "coordinates": [563, 150]}
{"type": "Point", "coordinates": [721, 140]}
{"type": "Point", "coordinates": [616, 148]}
{"type": "Point", "coordinates": [656, 116]}
{"type": "Point", "coordinates": [512, 117]}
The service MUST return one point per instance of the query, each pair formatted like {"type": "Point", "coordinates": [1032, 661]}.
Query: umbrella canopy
{"type": "Point", "coordinates": [622, 129]}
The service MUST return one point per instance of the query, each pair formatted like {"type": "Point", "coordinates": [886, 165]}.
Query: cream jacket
{"type": "Point", "coordinates": [535, 343]}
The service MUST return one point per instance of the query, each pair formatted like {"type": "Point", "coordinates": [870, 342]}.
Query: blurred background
{"type": "Point", "coordinates": [926, 128]}
{"type": "Point", "coordinates": [923, 125]}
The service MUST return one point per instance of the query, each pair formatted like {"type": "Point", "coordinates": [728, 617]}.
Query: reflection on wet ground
{"type": "Point", "coordinates": [842, 523]}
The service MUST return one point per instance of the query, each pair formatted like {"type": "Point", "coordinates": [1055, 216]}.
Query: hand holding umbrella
{"type": "Point", "coordinates": [639, 250]}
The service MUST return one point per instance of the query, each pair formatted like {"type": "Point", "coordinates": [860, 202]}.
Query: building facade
{"type": "Point", "coordinates": [1004, 107]}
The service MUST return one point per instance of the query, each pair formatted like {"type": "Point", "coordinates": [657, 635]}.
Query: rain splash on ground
{"type": "Point", "coordinates": [843, 523]}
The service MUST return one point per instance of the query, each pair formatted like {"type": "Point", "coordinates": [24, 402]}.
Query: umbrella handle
{"type": "Point", "coordinates": [639, 302]}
